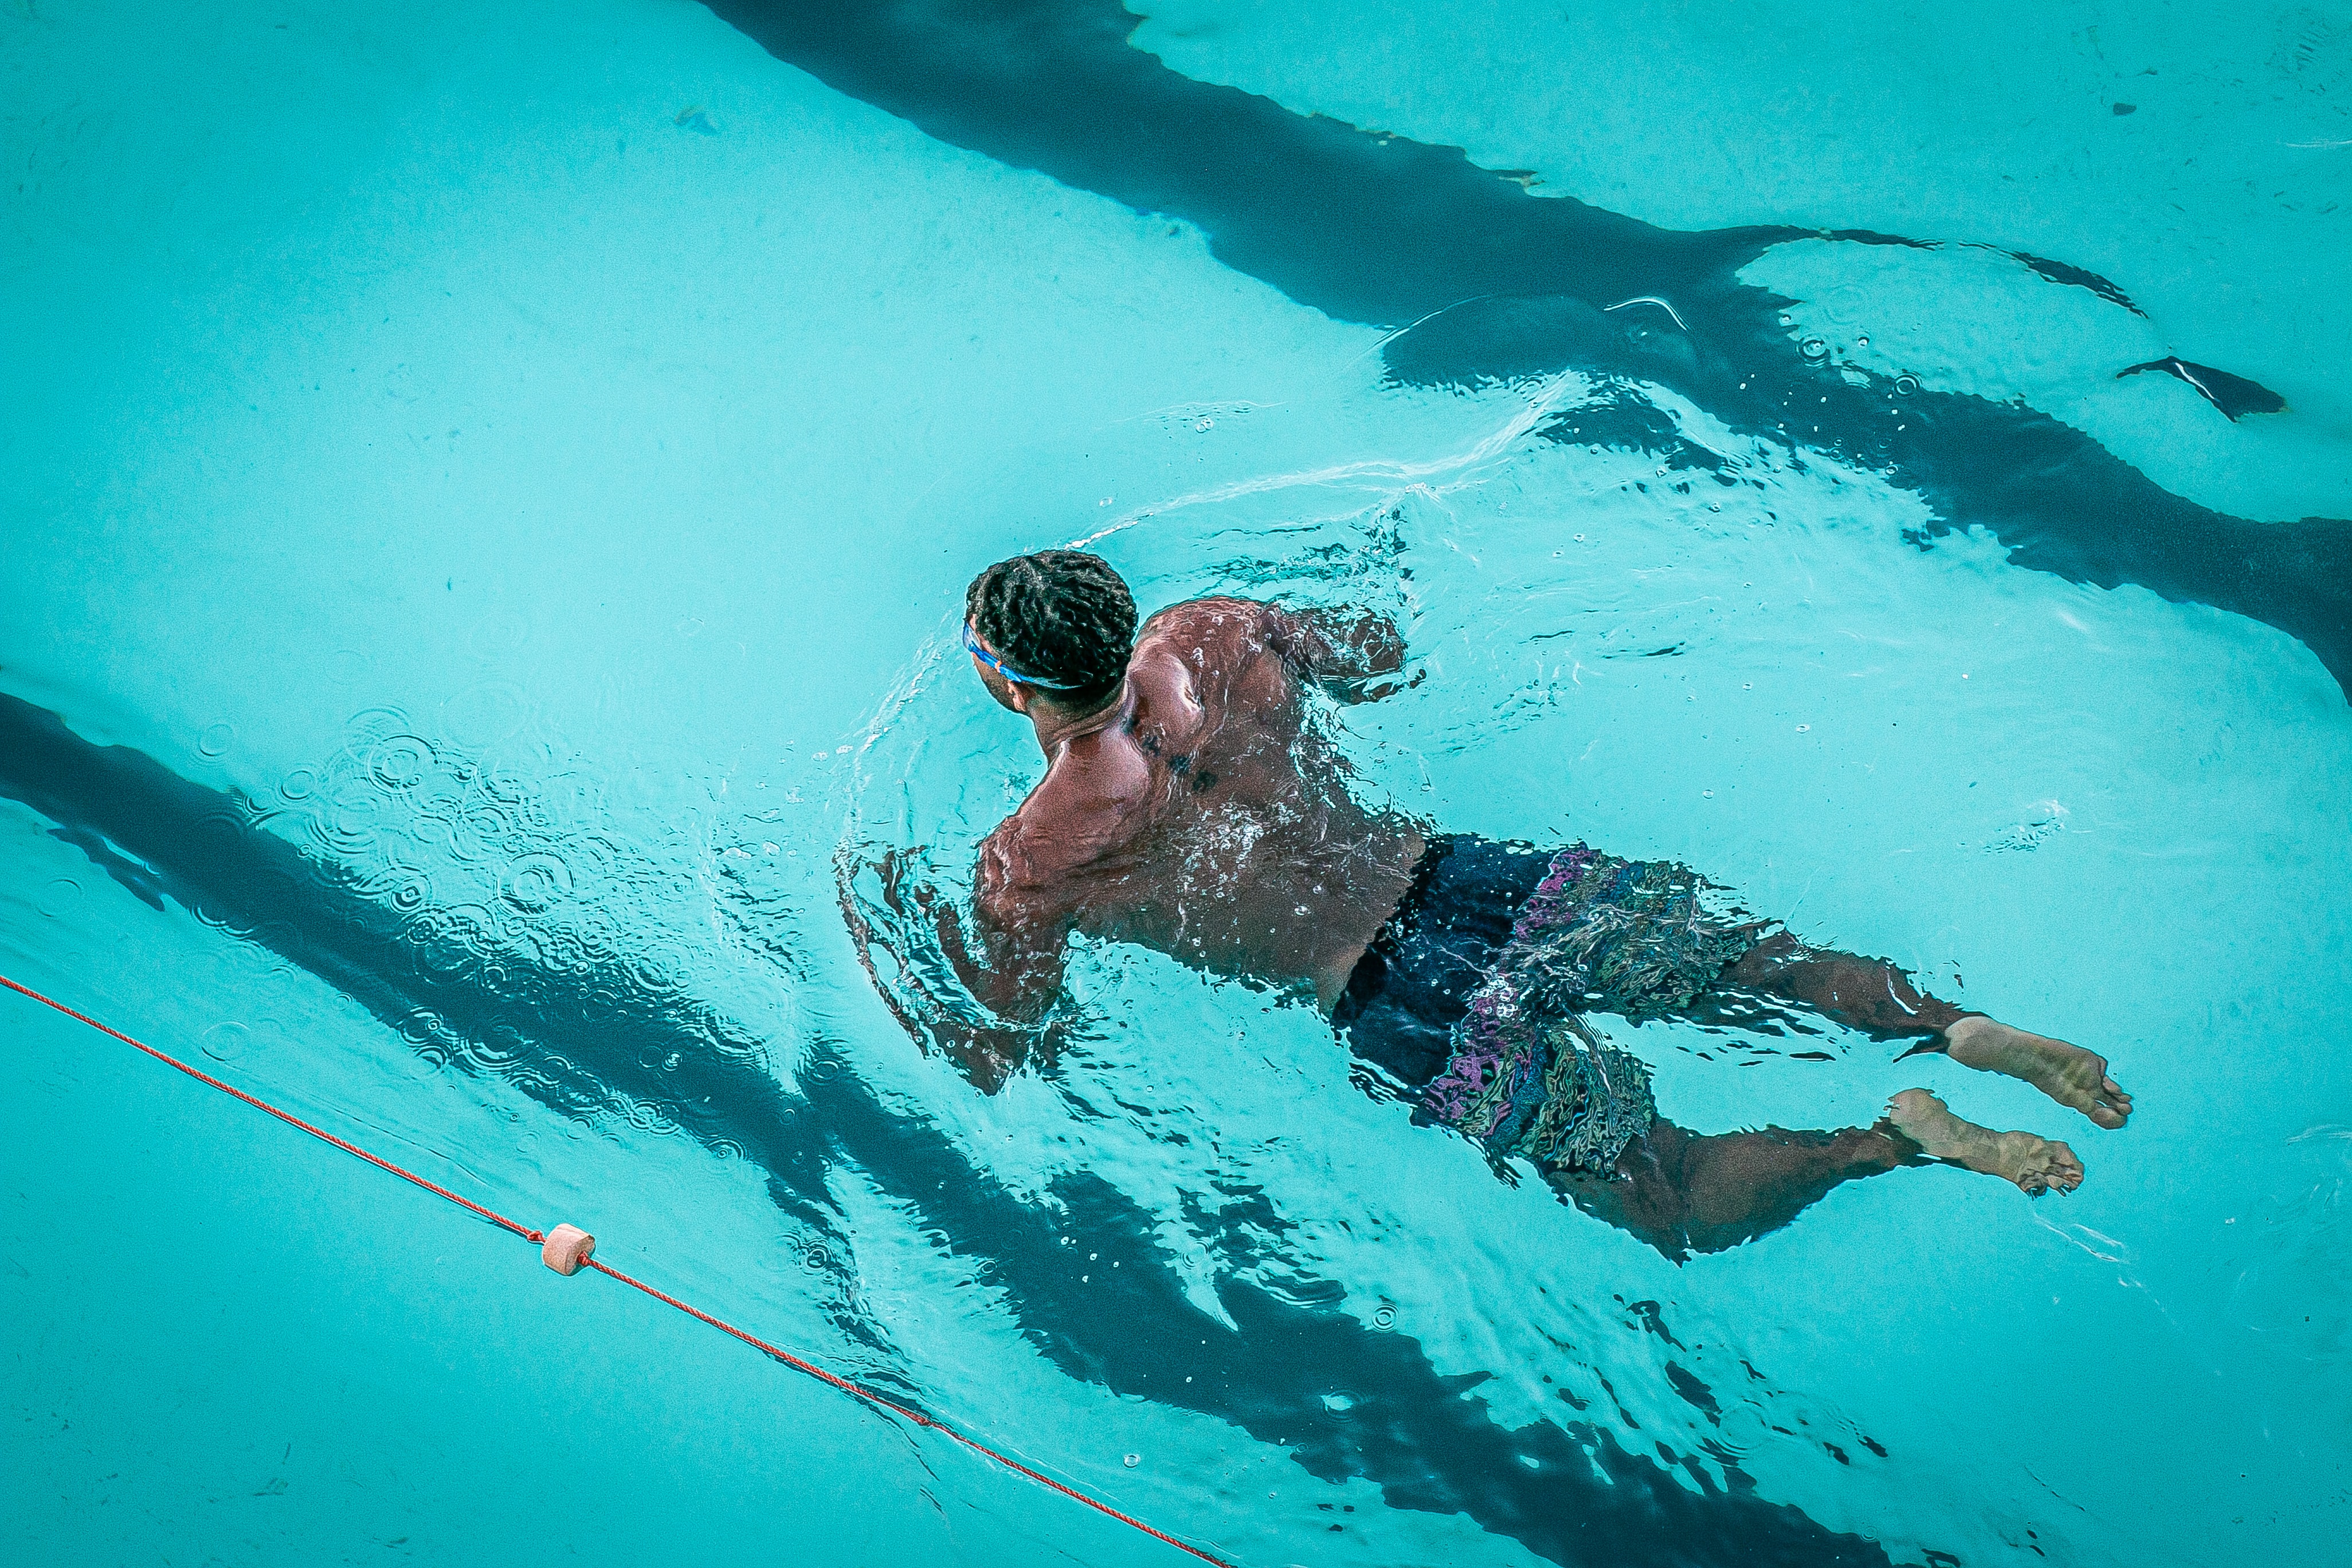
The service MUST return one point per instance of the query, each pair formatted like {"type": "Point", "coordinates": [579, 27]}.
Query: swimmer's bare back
{"type": "Point", "coordinates": [1199, 815]}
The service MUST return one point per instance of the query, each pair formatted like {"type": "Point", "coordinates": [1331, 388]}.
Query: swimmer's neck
{"type": "Point", "coordinates": [1056, 726]}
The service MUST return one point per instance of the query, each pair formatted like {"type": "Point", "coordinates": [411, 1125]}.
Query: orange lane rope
{"type": "Point", "coordinates": [536, 1237]}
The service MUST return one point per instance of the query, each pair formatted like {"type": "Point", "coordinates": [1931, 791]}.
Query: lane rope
{"type": "Point", "coordinates": [855, 1389]}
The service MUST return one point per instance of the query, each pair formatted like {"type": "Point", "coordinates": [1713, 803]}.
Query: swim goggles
{"type": "Point", "coordinates": [971, 645]}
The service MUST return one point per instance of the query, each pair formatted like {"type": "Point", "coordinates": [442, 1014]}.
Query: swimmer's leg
{"type": "Point", "coordinates": [1866, 994]}
{"type": "Point", "coordinates": [1684, 1191]}
{"type": "Point", "coordinates": [1873, 996]}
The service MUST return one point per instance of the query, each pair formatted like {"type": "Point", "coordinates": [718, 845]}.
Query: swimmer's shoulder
{"type": "Point", "coordinates": [1217, 619]}
{"type": "Point", "coordinates": [1219, 637]}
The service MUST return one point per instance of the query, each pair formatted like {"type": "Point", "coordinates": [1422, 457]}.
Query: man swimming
{"type": "Point", "coordinates": [1189, 805]}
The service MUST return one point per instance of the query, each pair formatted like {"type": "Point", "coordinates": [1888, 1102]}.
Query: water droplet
{"type": "Point", "coordinates": [1802, 727]}
{"type": "Point", "coordinates": [488, 823]}
{"type": "Point", "coordinates": [500, 634]}
{"type": "Point", "coordinates": [486, 713]}
{"type": "Point", "coordinates": [1203, 423]}
{"type": "Point", "coordinates": [400, 762]}
{"type": "Point", "coordinates": [1787, 319]}
{"type": "Point", "coordinates": [1706, 794]}
{"type": "Point", "coordinates": [215, 739]}
{"type": "Point", "coordinates": [1862, 341]}
{"type": "Point", "coordinates": [1907, 385]}
{"type": "Point", "coordinates": [1815, 347]}
{"type": "Point", "coordinates": [533, 882]}
{"type": "Point", "coordinates": [1131, 1460]}
{"type": "Point", "coordinates": [227, 1042]}
{"type": "Point", "coordinates": [298, 784]}
{"type": "Point", "coordinates": [1384, 1317]}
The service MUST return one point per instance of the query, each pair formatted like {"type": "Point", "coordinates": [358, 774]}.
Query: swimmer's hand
{"type": "Point", "coordinates": [987, 1055]}
{"type": "Point", "coordinates": [1357, 656]}
{"type": "Point", "coordinates": [936, 1004]}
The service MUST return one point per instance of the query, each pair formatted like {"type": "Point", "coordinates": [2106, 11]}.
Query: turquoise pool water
{"type": "Point", "coordinates": [504, 478]}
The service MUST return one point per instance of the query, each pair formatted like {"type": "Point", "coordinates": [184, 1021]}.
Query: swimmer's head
{"type": "Point", "coordinates": [1056, 627]}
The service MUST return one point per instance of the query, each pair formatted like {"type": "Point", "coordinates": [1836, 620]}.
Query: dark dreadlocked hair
{"type": "Point", "coordinates": [1061, 614]}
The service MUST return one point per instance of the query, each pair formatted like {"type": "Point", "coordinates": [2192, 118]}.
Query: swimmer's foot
{"type": "Point", "coordinates": [2067, 1074]}
{"type": "Point", "coordinates": [2036, 1164]}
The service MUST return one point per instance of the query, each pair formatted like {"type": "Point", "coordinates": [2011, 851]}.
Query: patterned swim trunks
{"type": "Point", "coordinates": [1523, 1073]}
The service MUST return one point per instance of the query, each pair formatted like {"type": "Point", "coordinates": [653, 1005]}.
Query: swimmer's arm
{"type": "Point", "coordinates": [1346, 652]}
{"type": "Point", "coordinates": [1016, 973]}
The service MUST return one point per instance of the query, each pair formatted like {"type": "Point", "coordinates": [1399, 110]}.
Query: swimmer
{"type": "Point", "coordinates": [1190, 806]}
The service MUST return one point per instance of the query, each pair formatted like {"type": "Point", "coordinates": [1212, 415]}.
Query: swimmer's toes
{"type": "Point", "coordinates": [2082, 1084]}
{"type": "Point", "coordinates": [2061, 1171]}
{"type": "Point", "coordinates": [2035, 1164]}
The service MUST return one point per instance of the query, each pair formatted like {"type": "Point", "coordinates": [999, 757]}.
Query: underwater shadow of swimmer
{"type": "Point", "coordinates": [580, 1043]}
